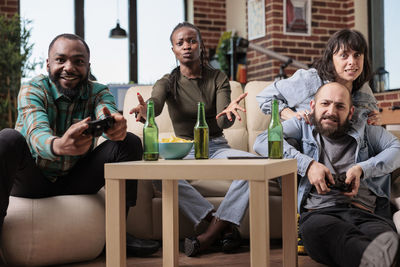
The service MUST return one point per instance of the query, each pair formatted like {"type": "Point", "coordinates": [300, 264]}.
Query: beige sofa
{"type": "Point", "coordinates": [145, 219]}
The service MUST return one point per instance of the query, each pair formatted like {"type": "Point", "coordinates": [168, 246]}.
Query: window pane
{"type": "Point", "coordinates": [109, 57]}
{"type": "Point", "coordinates": [392, 40]}
{"type": "Point", "coordinates": [57, 17]}
{"type": "Point", "coordinates": [155, 57]}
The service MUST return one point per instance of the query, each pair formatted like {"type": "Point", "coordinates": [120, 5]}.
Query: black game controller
{"type": "Point", "coordinates": [98, 127]}
{"type": "Point", "coordinates": [339, 183]}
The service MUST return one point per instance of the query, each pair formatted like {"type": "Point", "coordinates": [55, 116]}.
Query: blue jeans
{"type": "Point", "coordinates": [233, 207]}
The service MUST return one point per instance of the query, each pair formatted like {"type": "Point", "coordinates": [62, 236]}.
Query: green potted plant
{"type": "Point", "coordinates": [222, 51]}
{"type": "Point", "coordinates": [15, 51]}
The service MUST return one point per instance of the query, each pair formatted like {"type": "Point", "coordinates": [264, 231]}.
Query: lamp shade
{"type": "Point", "coordinates": [118, 32]}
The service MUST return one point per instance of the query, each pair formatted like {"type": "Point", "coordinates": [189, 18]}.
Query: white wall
{"type": "Point", "coordinates": [361, 17]}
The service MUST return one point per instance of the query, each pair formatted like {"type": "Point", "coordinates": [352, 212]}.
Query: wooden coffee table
{"type": "Point", "coordinates": [256, 171]}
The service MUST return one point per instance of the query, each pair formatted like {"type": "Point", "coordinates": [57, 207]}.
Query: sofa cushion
{"type": "Point", "coordinates": [54, 230]}
{"type": "Point", "coordinates": [257, 121]}
{"type": "Point", "coordinates": [237, 135]}
{"type": "Point", "coordinates": [163, 121]}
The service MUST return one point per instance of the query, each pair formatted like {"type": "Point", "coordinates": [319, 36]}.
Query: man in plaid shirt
{"type": "Point", "coordinates": [49, 153]}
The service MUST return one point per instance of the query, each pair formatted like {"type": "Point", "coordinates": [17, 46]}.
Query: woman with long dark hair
{"type": "Point", "coordinates": [344, 60]}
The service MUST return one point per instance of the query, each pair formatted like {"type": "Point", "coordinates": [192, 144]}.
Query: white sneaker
{"type": "Point", "coordinates": [382, 251]}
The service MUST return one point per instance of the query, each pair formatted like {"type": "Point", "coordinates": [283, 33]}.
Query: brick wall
{"type": "Point", "coordinates": [328, 16]}
{"type": "Point", "coordinates": [210, 18]}
{"type": "Point", "coordinates": [9, 7]}
{"type": "Point", "coordinates": [388, 99]}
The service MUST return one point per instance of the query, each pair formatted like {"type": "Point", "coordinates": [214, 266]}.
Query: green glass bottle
{"type": "Point", "coordinates": [275, 134]}
{"type": "Point", "coordinates": [201, 135]}
{"type": "Point", "coordinates": [150, 134]}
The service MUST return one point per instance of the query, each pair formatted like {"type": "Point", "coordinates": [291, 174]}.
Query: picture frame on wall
{"type": "Point", "coordinates": [256, 19]}
{"type": "Point", "coordinates": [297, 17]}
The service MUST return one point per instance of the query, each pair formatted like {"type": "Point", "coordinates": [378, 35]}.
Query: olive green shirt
{"type": "Point", "coordinates": [212, 88]}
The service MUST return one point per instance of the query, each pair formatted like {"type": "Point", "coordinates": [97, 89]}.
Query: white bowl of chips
{"type": "Point", "coordinates": [174, 147]}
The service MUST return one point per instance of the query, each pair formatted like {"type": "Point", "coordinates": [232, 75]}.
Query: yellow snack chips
{"type": "Point", "coordinates": [174, 139]}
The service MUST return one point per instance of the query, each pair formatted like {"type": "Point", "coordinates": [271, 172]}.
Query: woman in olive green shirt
{"type": "Point", "coordinates": [191, 82]}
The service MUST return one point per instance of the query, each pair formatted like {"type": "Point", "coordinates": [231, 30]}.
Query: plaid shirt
{"type": "Point", "coordinates": [44, 114]}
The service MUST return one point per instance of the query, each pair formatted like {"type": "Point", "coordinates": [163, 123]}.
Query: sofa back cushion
{"type": "Point", "coordinates": [257, 121]}
{"type": "Point", "coordinates": [163, 121]}
{"type": "Point", "coordinates": [237, 135]}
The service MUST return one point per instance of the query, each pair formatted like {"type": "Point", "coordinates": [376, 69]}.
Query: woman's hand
{"type": "Point", "coordinates": [287, 114]}
{"type": "Point", "coordinates": [232, 108]}
{"type": "Point", "coordinates": [304, 114]}
{"type": "Point", "coordinates": [374, 118]}
{"type": "Point", "coordinates": [140, 110]}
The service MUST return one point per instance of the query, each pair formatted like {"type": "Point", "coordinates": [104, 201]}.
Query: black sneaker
{"type": "Point", "coordinates": [140, 247]}
{"type": "Point", "coordinates": [231, 241]}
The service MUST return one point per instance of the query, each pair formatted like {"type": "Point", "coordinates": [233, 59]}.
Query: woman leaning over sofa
{"type": "Point", "coordinates": [344, 60]}
{"type": "Point", "coordinates": [189, 83]}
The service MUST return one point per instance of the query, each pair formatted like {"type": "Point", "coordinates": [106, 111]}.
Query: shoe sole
{"type": "Point", "coordinates": [382, 251]}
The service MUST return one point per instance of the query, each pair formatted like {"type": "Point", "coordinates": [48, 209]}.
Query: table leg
{"type": "Point", "coordinates": [115, 223]}
{"type": "Point", "coordinates": [170, 223]}
{"type": "Point", "coordinates": [289, 219]}
{"type": "Point", "coordinates": [259, 224]}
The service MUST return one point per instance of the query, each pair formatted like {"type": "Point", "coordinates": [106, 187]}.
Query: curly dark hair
{"type": "Point", "coordinates": [345, 39]}
{"type": "Point", "coordinates": [175, 73]}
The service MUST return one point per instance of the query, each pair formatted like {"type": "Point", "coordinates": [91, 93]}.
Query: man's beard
{"type": "Point", "coordinates": [334, 132]}
{"type": "Point", "coordinates": [69, 92]}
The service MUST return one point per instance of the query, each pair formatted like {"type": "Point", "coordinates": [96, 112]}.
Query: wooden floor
{"type": "Point", "coordinates": [216, 259]}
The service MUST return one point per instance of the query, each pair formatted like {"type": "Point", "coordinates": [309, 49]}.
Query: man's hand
{"type": "Point", "coordinates": [118, 131]}
{"type": "Point", "coordinates": [353, 176]}
{"type": "Point", "coordinates": [73, 142]}
{"type": "Point", "coordinates": [232, 108]}
{"type": "Point", "coordinates": [140, 110]}
{"type": "Point", "coordinates": [316, 174]}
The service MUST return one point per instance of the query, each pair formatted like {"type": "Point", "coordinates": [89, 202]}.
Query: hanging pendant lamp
{"type": "Point", "coordinates": [118, 32]}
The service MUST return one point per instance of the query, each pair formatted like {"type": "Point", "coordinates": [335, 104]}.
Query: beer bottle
{"type": "Point", "coordinates": [275, 134]}
{"type": "Point", "coordinates": [201, 134]}
{"type": "Point", "coordinates": [150, 134]}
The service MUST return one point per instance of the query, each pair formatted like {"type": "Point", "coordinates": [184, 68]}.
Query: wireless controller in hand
{"type": "Point", "coordinates": [98, 127]}
{"type": "Point", "coordinates": [339, 183]}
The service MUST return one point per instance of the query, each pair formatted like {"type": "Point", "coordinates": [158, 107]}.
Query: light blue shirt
{"type": "Point", "coordinates": [297, 91]}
